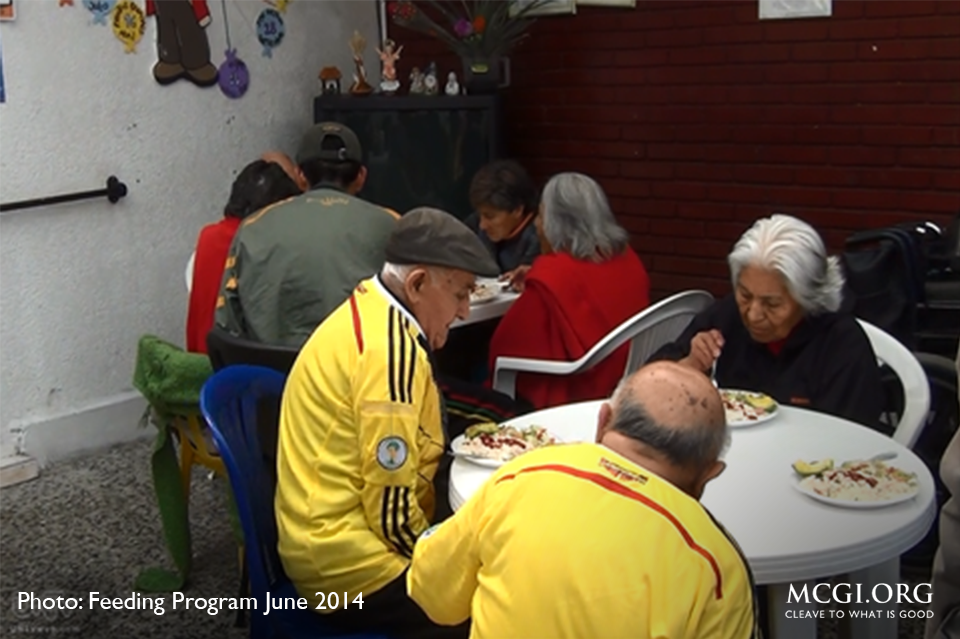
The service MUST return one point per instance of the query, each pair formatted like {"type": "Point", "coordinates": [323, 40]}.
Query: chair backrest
{"type": "Point", "coordinates": [225, 350]}
{"type": "Point", "coordinates": [230, 402]}
{"type": "Point", "coordinates": [648, 330]}
{"type": "Point", "coordinates": [916, 387]}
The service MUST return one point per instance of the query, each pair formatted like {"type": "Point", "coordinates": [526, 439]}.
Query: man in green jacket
{"type": "Point", "coordinates": [292, 263]}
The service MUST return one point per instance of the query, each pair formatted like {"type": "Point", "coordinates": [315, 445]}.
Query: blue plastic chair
{"type": "Point", "coordinates": [229, 402]}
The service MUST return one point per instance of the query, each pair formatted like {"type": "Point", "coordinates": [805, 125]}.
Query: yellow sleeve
{"type": "Point", "coordinates": [443, 574]}
{"type": "Point", "coordinates": [389, 395]}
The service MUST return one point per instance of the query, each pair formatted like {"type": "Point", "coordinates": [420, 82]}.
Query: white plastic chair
{"type": "Point", "coordinates": [916, 387]}
{"type": "Point", "coordinates": [646, 331]}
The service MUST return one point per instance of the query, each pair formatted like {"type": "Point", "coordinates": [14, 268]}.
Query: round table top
{"type": "Point", "coordinates": [785, 535]}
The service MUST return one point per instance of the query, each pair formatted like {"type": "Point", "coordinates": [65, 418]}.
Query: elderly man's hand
{"type": "Point", "coordinates": [705, 348]}
{"type": "Point", "coordinates": [517, 277]}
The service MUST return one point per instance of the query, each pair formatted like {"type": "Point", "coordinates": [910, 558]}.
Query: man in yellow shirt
{"type": "Point", "coordinates": [599, 540]}
{"type": "Point", "coordinates": [362, 431]}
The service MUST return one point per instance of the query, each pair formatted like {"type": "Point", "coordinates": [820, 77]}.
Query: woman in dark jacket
{"type": "Point", "coordinates": [781, 332]}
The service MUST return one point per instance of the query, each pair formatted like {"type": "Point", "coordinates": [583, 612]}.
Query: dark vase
{"type": "Point", "coordinates": [483, 75]}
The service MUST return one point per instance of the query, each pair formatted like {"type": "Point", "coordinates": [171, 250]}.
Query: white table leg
{"type": "Point", "coordinates": [784, 621]}
{"type": "Point", "coordinates": [873, 620]}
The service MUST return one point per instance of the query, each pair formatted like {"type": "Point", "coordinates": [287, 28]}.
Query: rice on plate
{"type": "Point", "coordinates": [502, 443]}
{"type": "Point", "coordinates": [862, 481]}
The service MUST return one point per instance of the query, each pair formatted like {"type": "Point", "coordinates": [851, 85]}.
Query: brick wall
{"type": "Point", "coordinates": [697, 118]}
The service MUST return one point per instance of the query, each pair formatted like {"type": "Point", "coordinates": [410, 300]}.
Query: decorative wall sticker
{"type": "Point", "coordinates": [199, 9]}
{"type": "Point", "coordinates": [279, 5]}
{"type": "Point", "coordinates": [101, 9]}
{"type": "Point", "coordinates": [270, 30]}
{"type": "Point", "coordinates": [128, 24]}
{"type": "Point", "coordinates": [66, 3]}
{"type": "Point", "coordinates": [233, 75]}
{"type": "Point", "coordinates": [7, 12]}
{"type": "Point", "coordinates": [181, 42]}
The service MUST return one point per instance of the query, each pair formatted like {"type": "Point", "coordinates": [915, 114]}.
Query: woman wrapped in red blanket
{"type": "Point", "coordinates": [586, 282]}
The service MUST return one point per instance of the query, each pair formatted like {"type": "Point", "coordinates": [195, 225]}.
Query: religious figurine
{"type": "Point", "coordinates": [388, 57]}
{"type": "Point", "coordinates": [360, 86]}
{"type": "Point", "coordinates": [416, 82]}
{"type": "Point", "coordinates": [430, 84]}
{"type": "Point", "coordinates": [330, 81]}
{"type": "Point", "coordinates": [453, 87]}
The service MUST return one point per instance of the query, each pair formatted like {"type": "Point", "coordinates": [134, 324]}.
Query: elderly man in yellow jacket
{"type": "Point", "coordinates": [599, 540]}
{"type": "Point", "coordinates": [362, 431]}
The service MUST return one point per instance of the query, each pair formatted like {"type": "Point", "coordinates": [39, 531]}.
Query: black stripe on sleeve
{"type": "Point", "coordinates": [406, 517]}
{"type": "Point", "coordinates": [383, 512]}
{"type": "Point", "coordinates": [390, 347]}
{"type": "Point", "coordinates": [396, 537]}
{"type": "Point", "coordinates": [413, 362]}
{"type": "Point", "coordinates": [401, 368]}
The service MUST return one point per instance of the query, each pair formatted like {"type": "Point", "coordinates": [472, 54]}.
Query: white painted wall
{"type": "Point", "coordinates": [79, 283]}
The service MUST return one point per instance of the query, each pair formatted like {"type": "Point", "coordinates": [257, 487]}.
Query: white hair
{"type": "Point", "coordinates": [577, 218]}
{"type": "Point", "coordinates": [793, 249]}
{"type": "Point", "coordinates": [400, 272]}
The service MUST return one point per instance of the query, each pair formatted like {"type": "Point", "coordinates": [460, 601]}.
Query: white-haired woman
{"type": "Point", "coordinates": [782, 332]}
{"type": "Point", "coordinates": [585, 283]}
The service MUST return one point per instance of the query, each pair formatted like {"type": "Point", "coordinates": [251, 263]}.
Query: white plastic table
{"type": "Point", "coordinates": [490, 309]}
{"type": "Point", "coordinates": [787, 537]}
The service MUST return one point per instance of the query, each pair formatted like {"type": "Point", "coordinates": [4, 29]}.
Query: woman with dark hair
{"type": "Point", "coordinates": [259, 184]}
{"type": "Point", "coordinates": [505, 202]}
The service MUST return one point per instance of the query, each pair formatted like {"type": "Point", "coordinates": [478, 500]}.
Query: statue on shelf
{"type": "Point", "coordinates": [417, 86]}
{"type": "Point", "coordinates": [453, 87]}
{"type": "Point", "coordinates": [360, 85]}
{"type": "Point", "coordinates": [388, 57]}
{"type": "Point", "coordinates": [430, 84]}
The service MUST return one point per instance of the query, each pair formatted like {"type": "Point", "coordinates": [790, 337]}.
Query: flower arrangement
{"type": "Point", "coordinates": [479, 29]}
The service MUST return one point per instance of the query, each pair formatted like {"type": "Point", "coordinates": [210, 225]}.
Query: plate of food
{"type": "Point", "coordinates": [855, 484]}
{"type": "Point", "coordinates": [746, 408]}
{"type": "Point", "coordinates": [485, 291]}
{"type": "Point", "coordinates": [493, 445]}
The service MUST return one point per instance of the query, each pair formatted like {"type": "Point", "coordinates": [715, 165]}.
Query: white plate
{"type": "Point", "coordinates": [486, 462]}
{"type": "Point", "coordinates": [749, 422]}
{"type": "Point", "coordinates": [486, 292]}
{"type": "Point", "coordinates": [845, 503]}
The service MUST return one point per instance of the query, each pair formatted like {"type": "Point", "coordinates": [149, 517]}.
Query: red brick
{"type": "Point", "coordinates": [796, 73]}
{"type": "Point", "coordinates": [671, 283]}
{"type": "Point", "coordinates": [949, 7]}
{"type": "Point", "coordinates": [944, 93]}
{"type": "Point", "coordinates": [698, 56]}
{"type": "Point", "coordinates": [706, 172]}
{"type": "Point", "coordinates": [676, 228]}
{"type": "Point", "coordinates": [679, 191]}
{"type": "Point", "coordinates": [910, 8]}
{"type": "Point", "coordinates": [803, 197]}
{"type": "Point", "coordinates": [881, 94]}
{"type": "Point", "coordinates": [730, 153]}
{"type": "Point", "coordinates": [798, 114]}
{"type": "Point", "coordinates": [947, 158]}
{"type": "Point", "coordinates": [737, 193]}
{"type": "Point", "coordinates": [591, 149]}
{"type": "Point", "coordinates": [865, 114]}
{"type": "Point", "coordinates": [674, 38]}
{"type": "Point", "coordinates": [675, 152]}
{"type": "Point", "coordinates": [702, 133]}
{"type": "Point", "coordinates": [633, 223]}
{"type": "Point", "coordinates": [706, 211]}
{"type": "Point", "coordinates": [705, 249]}
{"type": "Point", "coordinates": [762, 134]}
{"type": "Point", "coordinates": [659, 208]}
{"type": "Point", "coordinates": [864, 29]}
{"type": "Point", "coordinates": [894, 50]}
{"type": "Point", "coordinates": [828, 135]}
{"type": "Point", "coordinates": [863, 156]}
{"type": "Point", "coordinates": [611, 77]}
{"type": "Point", "coordinates": [897, 135]}
{"type": "Point", "coordinates": [894, 178]}
{"type": "Point", "coordinates": [816, 51]}
{"type": "Point", "coordinates": [750, 213]}
{"type": "Point", "coordinates": [865, 200]}
{"type": "Point", "coordinates": [929, 27]}
{"type": "Point", "coordinates": [677, 114]}
{"type": "Point", "coordinates": [947, 180]}
{"type": "Point", "coordinates": [929, 114]}
{"type": "Point", "coordinates": [825, 176]}
{"type": "Point", "coordinates": [764, 174]}
{"type": "Point", "coordinates": [794, 154]}
{"type": "Point", "coordinates": [725, 34]}
{"type": "Point", "coordinates": [590, 59]}
{"type": "Point", "coordinates": [751, 116]}
{"type": "Point", "coordinates": [755, 94]}
{"type": "Point", "coordinates": [822, 94]}
{"type": "Point", "coordinates": [625, 188]}
{"type": "Point", "coordinates": [945, 48]}
{"type": "Point", "coordinates": [647, 133]}
{"type": "Point", "coordinates": [706, 15]}
{"type": "Point", "coordinates": [793, 30]}
{"type": "Point", "coordinates": [646, 94]}
{"type": "Point", "coordinates": [724, 231]}
{"type": "Point", "coordinates": [641, 58]}
{"type": "Point", "coordinates": [648, 245]}
{"type": "Point", "coordinates": [685, 265]}
{"type": "Point", "coordinates": [646, 169]}
{"type": "Point", "coordinates": [930, 201]}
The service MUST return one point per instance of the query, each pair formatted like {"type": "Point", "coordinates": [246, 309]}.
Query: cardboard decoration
{"type": "Point", "coordinates": [233, 75]}
{"type": "Point", "coordinates": [101, 10]}
{"type": "Point", "coordinates": [129, 24]}
{"type": "Point", "coordinates": [270, 30]}
{"type": "Point", "coordinates": [182, 44]}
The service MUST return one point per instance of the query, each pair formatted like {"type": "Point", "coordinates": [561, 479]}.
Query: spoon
{"type": "Point", "coordinates": [883, 456]}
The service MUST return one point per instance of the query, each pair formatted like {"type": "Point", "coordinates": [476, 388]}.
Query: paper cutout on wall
{"type": "Point", "coordinates": [234, 78]}
{"type": "Point", "coordinates": [199, 9]}
{"type": "Point", "coordinates": [7, 11]}
{"type": "Point", "coordinates": [182, 43]}
{"type": "Point", "coordinates": [270, 30]}
{"type": "Point", "coordinates": [100, 9]}
{"type": "Point", "coordinates": [279, 5]}
{"type": "Point", "coordinates": [128, 24]}
{"type": "Point", "coordinates": [66, 3]}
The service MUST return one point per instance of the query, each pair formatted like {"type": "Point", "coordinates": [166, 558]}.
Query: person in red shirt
{"type": "Point", "coordinates": [586, 282]}
{"type": "Point", "coordinates": [259, 184]}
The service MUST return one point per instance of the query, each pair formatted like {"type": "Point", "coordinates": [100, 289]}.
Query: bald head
{"type": "Point", "coordinates": [674, 396]}
{"type": "Point", "coordinates": [288, 165]}
{"type": "Point", "coordinates": [668, 418]}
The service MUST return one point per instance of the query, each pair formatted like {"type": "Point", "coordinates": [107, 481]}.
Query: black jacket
{"type": "Point", "coordinates": [509, 254]}
{"type": "Point", "coordinates": [826, 364]}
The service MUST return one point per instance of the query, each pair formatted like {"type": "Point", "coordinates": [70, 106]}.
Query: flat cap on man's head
{"type": "Point", "coordinates": [433, 237]}
{"type": "Point", "coordinates": [330, 141]}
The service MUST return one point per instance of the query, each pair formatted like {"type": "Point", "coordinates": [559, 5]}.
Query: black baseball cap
{"type": "Point", "coordinates": [430, 236]}
{"type": "Point", "coordinates": [312, 146]}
